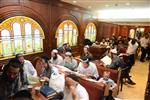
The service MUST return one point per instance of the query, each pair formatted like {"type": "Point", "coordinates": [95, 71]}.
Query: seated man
{"type": "Point", "coordinates": [113, 54]}
{"type": "Point", "coordinates": [11, 80]}
{"type": "Point", "coordinates": [108, 82]}
{"type": "Point", "coordinates": [23, 95]}
{"type": "Point", "coordinates": [28, 68]}
{"type": "Point", "coordinates": [64, 48]}
{"type": "Point", "coordinates": [56, 58]}
{"type": "Point", "coordinates": [118, 61]}
{"type": "Point", "coordinates": [88, 69]}
{"type": "Point", "coordinates": [57, 80]}
{"type": "Point", "coordinates": [73, 90]}
{"type": "Point", "coordinates": [86, 53]}
{"type": "Point", "coordinates": [103, 42]}
{"type": "Point", "coordinates": [70, 62]}
{"type": "Point", "coordinates": [47, 69]}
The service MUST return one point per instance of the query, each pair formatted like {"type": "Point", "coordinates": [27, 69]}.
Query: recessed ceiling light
{"type": "Point", "coordinates": [89, 6]}
{"type": "Point", "coordinates": [128, 3]}
{"type": "Point", "coordinates": [107, 5]}
{"type": "Point", "coordinates": [74, 1]}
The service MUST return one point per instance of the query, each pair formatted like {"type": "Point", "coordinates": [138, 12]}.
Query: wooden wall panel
{"type": "Point", "coordinates": [124, 30]}
{"type": "Point", "coordinates": [38, 11]}
{"type": "Point", "coordinates": [50, 13]}
{"type": "Point", "coordinates": [64, 11]}
{"type": "Point", "coordinates": [147, 29]}
{"type": "Point", "coordinates": [106, 30]}
{"type": "Point", "coordinates": [9, 2]}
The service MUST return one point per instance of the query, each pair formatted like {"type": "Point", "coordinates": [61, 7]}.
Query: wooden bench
{"type": "Point", "coordinates": [114, 75]}
{"type": "Point", "coordinates": [94, 89]}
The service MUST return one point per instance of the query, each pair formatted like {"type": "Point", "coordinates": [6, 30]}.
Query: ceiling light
{"type": "Point", "coordinates": [138, 13]}
{"type": "Point", "coordinates": [94, 17]}
{"type": "Point", "coordinates": [128, 3]}
{"type": "Point", "coordinates": [106, 5]}
{"type": "Point", "coordinates": [89, 7]}
{"type": "Point", "coordinates": [74, 1]}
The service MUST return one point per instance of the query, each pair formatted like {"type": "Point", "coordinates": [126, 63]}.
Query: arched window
{"type": "Point", "coordinates": [90, 32]}
{"type": "Point", "coordinates": [20, 34]}
{"type": "Point", "coordinates": [67, 32]}
{"type": "Point", "coordinates": [17, 38]}
{"type": "Point", "coordinates": [28, 37]}
{"type": "Point", "coordinates": [7, 50]}
{"type": "Point", "coordinates": [37, 40]}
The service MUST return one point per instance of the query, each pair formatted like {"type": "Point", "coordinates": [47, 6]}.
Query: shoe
{"type": "Point", "coordinates": [147, 58]}
{"type": "Point", "coordinates": [130, 76]}
{"type": "Point", "coordinates": [142, 60]}
{"type": "Point", "coordinates": [131, 82]}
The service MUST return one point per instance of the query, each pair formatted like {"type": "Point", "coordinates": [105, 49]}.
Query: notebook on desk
{"type": "Point", "coordinates": [106, 60]}
{"type": "Point", "coordinates": [33, 80]}
{"type": "Point", "coordinates": [48, 91]}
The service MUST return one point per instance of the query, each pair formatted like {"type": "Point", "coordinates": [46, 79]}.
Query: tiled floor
{"type": "Point", "coordinates": [139, 75]}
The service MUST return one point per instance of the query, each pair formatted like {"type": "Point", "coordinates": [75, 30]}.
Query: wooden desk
{"type": "Point", "coordinates": [38, 96]}
{"type": "Point", "coordinates": [114, 74]}
{"type": "Point", "coordinates": [95, 90]}
{"type": "Point", "coordinates": [97, 52]}
{"type": "Point", "coordinates": [97, 63]}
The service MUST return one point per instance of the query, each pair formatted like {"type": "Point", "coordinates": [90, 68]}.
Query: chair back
{"type": "Point", "coordinates": [95, 91]}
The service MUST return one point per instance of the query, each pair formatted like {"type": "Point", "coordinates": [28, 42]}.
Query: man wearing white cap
{"type": "Point", "coordinates": [56, 58]}
{"type": "Point", "coordinates": [73, 90]}
{"type": "Point", "coordinates": [88, 69]}
{"type": "Point", "coordinates": [70, 62]}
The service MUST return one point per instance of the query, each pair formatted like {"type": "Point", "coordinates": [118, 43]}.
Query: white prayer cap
{"type": "Point", "coordinates": [19, 55]}
{"type": "Point", "coordinates": [85, 59]}
{"type": "Point", "coordinates": [65, 43]}
{"type": "Point", "coordinates": [86, 46]}
{"type": "Point", "coordinates": [121, 54]}
{"type": "Point", "coordinates": [68, 54]}
{"type": "Point", "coordinates": [108, 47]}
{"type": "Point", "coordinates": [113, 51]}
{"type": "Point", "coordinates": [55, 50]}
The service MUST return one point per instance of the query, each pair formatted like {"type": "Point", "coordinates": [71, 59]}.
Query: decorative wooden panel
{"type": "Point", "coordinates": [50, 13]}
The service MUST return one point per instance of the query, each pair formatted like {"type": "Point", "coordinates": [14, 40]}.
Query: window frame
{"type": "Point", "coordinates": [7, 24]}
{"type": "Point", "coordinates": [67, 32]}
{"type": "Point", "coordinates": [91, 27]}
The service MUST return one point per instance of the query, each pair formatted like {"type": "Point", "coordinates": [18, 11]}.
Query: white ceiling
{"type": "Point", "coordinates": [105, 4]}
{"type": "Point", "coordinates": [97, 5]}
